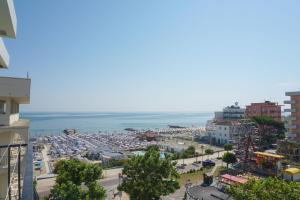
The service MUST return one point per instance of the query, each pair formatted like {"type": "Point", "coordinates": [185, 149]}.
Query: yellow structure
{"type": "Point", "coordinates": [291, 174]}
{"type": "Point", "coordinates": [263, 154]}
{"type": "Point", "coordinates": [270, 164]}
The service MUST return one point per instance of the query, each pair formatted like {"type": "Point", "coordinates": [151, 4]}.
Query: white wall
{"type": "Point", "coordinates": [16, 88]}
{"type": "Point", "coordinates": [221, 134]}
{"type": "Point", "coordinates": [4, 57]}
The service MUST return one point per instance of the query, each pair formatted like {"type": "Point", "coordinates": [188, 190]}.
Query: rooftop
{"type": "Point", "coordinates": [292, 171]}
{"type": "Point", "coordinates": [266, 103]}
{"type": "Point", "coordinates": [223, 123]}
{"type": "Point", "coordinates": [16, 88]}
{"type": "Point", "coordinates": [295, 93]}
{"type": "Point", "coordinates": [207, 193]}
{"type": "Point", "coordinates": [268, 155]}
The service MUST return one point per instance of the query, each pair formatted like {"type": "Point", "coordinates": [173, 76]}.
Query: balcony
{"type": "Point", "coordinates": [293, 118]}
{"type": "Point", "coordinates": [289, 102]}
{"type": "Point", "coordinates": [291, 135]}
{"type": "Point", "coordinates": [20, 124]}
{"type": "Point", "coordinates": [8, 19]}
{"type": "Point", "coordinates": [17, 89]}
{"type": "Point", "coordinates": [290, 110]}
{"type": "Point", "coordinates": [4, 57]}
{"type": "Point", "coordinates": [297, 93]}
{"type": "Point", "coordinates": [12, 162]}
{"type": "Point", "coordinates": [291, 126]}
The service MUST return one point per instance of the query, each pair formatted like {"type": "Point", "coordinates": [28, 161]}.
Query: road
{"type": "Point", "coordinates": [46, 159]}
{"type": "Point", "coordinates": [200, 158]}
{"type": "Point", "coordinates": [111, 176]}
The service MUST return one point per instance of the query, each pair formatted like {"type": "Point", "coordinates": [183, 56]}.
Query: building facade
{"type": "Point", "coordinates": [14, 134]}
{"type": "Point", "coordinates": [267, 108]}
{"type": "Point", "coordinates": [234, 112]}
{"type": "Point", "coordinates": [221, 132]}
{"type": "Point", "coordinates": [293, 125]}
{"type": "Point", "coordinates": [290, 147]}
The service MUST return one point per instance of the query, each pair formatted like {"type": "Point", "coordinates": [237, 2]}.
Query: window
{"type": "Point", "coordinates": [14, 107]}
{"type": "Point", "coordinates": [2, 107]}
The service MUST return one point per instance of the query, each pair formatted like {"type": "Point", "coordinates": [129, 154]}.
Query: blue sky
{"type": "Point", "coordinates": [155, 55]}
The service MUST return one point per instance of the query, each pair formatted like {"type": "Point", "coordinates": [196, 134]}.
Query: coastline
{"type": "Point", "coordinates": [53, 123]}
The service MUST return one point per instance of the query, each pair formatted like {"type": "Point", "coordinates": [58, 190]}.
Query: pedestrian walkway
{"type": "Point", "coordinates": [46, 159]}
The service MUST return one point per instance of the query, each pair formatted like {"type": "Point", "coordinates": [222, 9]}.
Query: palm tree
{"type": "Point", "coordinates": [209, 152]}
{"type": "Point", "coordinates": [202, 148]}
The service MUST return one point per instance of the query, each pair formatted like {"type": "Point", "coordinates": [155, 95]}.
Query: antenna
{"type": "Point", "coordinates": [27, 75]}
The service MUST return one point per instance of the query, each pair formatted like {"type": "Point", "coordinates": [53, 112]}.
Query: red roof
{"type": "Point", "coordinates": [228, 179]}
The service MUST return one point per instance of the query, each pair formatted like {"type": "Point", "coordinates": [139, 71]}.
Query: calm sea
{"type": "Point", "coordinates": [45, 123]}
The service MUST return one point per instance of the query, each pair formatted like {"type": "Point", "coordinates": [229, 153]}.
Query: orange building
{"type": "Point", "coordinates": [266, 108]}
{"type": "Point", "coordinates": [294, 126]}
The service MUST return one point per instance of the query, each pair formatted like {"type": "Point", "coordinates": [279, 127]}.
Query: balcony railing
{"type": "Point", "coordinates": [291, 126]}
{"type": "Point", "coordinates": [13, 167]}
{"type": "Point", "coordinates": [289, 102]}
{"type": "Point", "coordinates": [290, 110]}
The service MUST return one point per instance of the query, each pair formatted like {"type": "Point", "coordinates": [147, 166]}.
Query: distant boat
{"type": "Point", "coordinates": [175, 126]}
{"type": "Point", "coordinates": [130, 129]}
{"type": "Point", "coordinates": [69, 131]}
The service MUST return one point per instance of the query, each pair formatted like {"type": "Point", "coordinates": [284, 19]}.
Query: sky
{"type": "Point", "coordinates": [155, 55]}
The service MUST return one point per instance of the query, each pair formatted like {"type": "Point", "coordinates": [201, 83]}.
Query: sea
{"type": "Point", "coordinates": [53, 123]}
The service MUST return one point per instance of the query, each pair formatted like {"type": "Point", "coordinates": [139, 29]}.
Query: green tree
{"type": "Point", "coordinates": [209, 152]}
{"type": "Point", "coordinates": [155, 147]}
{"type": "Point", "coordinates": [148, 177]}
{"type": "Point", "coordinates": [202, 149]}
{"type": "Point", "coordinates": [229, 158]}
{"type": "Point", "coordinates": [269, 129]}
{"type": "Point", "coordinates": [190, 150]}
{"type": "Point", "coordinates": [228, 147]}
{"type": "Point", "coordinates": [266, 189]}
{"type": "Point", "coordinates": [64, 191]}
{"type": "Point", "coordinates": [72, 174]}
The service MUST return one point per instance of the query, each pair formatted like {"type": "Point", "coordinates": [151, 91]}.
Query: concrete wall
{"type": "Point", "coordinates": [17, 89]}
{"type": "Point", "coordinates": [4, 57]}
{"type": "Point", "coordinates": [11, 114]}
{"type": "Point", "coordinates": [3, 185]}
{"type": "Point", "coordinates": [221, 134]}
{"type": "Point", "coordinates": [8, 19]}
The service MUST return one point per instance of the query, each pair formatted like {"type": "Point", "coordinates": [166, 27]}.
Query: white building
{"type": "Point", "coordinates": [14, 136]}
{"type": "Point", "coordinates": [233, 112]}
{"type": "Point", "coordinates": [220, 132]}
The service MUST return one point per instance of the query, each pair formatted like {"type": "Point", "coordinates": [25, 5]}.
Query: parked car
{"type": "Point", "coordinates": [208, 163]}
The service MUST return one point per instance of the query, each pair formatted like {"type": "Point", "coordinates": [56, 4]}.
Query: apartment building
{"type": "Point", "coordinates": [290, 147]}
{"type": "Point", "coordinates": [220, 132]}
{"type": "Point", "coordinates": [234, 112]}
{"type": "Point", "coordinates": [14, 134]}
{"type": "Point", "coordinates": [294, 112]}
{"type": "Point", "coordinates": [266, 108]}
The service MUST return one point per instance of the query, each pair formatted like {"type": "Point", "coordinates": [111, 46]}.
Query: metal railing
{"type": "Point", "coordinates": [6, 160]}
